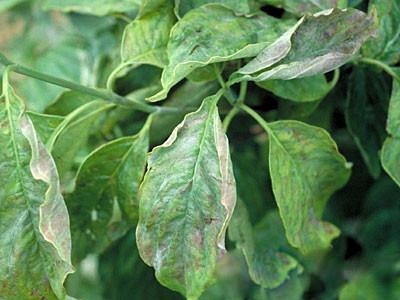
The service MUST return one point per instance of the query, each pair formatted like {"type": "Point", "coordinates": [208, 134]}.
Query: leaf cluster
{"type": "Point", "coordinates": [199, 149]}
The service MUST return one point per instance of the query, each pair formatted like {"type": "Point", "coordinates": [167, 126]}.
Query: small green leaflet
{"type": "Point", "coordinates": [385, 47]}
{"type": "Point", "coordinates": [261, 246]}
{"type": "Point", "coordinates": [305, 168]}
{"type": "Point", "coordinates": [390, 155]}
{"type": "Point", "coordinates": [316, 44]}
{"type": "Point", "coordinates": [45, 125]}
{"type": "Point", "coordinates": [200, 39]}
{"type": "Point", "coordinates": [93, 7]}
{"type": "Point", "coordinates": [185, 202]}
{"type": "Point", "coordinates": [72, 133]}
{"type": "Point", "coordinates": [103, 205]}
{"type": "Point", "coordinates": [145, 40]}
{"type": "Point", "coordinates": [35, 244]}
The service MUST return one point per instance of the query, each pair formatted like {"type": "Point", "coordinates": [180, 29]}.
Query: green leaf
{"type": "Point", "coordinates": [93, 7]}
{"type": "Point", "coordinates": [240, 6]}
{"type": "Point", "coordinates": [261, 246]}
{"type": "Point", "coordinates": [391, 148]}
{"type": "Point", "coordinates": [7, 4]}
{"type": "Point", "coordinates": [364, 286]}
{"type": "Point", "coordinates": [306, 168]}
{"type": "Point", "coordinates": [72, 134]}
{"type": "Point", "coordinates": [301, 7]}
{"type": "Point", "coordinates": [200, 39]}
{"type": "Point", "coordinates": [145, 40]}
{"type": "Point", "coordinates": [306, 89]}
{"type": "Point", "coordinates": [292, 289]}
{"type": "Point", "coordinates": [385, 46]}
{"type": "Point", "coordinates": [182, 220]}
{"type": "Point", "coordinates": [368, 95]}
{"type": "Point", "coordinates": [44, 125]}
{"type": "Point", "coordinates": [67, 102]}
{"type": "Point", "coordinates": [35, 243]}
{"type": "Point", "coordinates": [104, 204]}
{"type": "Point", "coordinates": [316, 44]}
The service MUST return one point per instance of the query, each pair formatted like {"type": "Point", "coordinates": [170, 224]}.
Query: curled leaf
{"type": "Point", "coordinates": [200, 38]}
{"type": "Point", "coordinates": [35, 243]}
{"type": "Point", "coordinates": [316, 44]}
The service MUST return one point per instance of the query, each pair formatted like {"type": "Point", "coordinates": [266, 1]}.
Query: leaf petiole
{"type": "Point", "coordinates": [235, 110]}
{"type": "Point", "coordinates": [260, 120]}
{"type": "Point", "coordinates": [99, 93]}
{"type": "Point", "coordinates": [381, 65]}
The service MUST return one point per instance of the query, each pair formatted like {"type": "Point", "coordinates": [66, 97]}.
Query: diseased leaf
{"type": "Point", "coordinates": [301, 7]}
{"type": "Point", "coordinates": [240, 6]}
{"type": "Point", "coordinates": [391, 148]}
{"type": "Point", "coordinates": [188, 96]}
{"type": "Point", "coordinates": [93, 7]}
{"type": "Point", "coordinates": [262, 247]}
{"type": "Point", "coordinates": [306, 89]}
{"type": "Point", "coordinates": [368, 95]}
{"type": "Point", "coordinates": [305, 168]}
{"type": "Point", "coordinates": [200, 39]}
{"type": "Point", "coordinates": [72, 134]}
{"type": "Point", "coordinates": [385, 46]}
{"type": "Point", "coordinates": [316, 44]}
{"type": "Point", "coordinates": [182, 220]}
{"type": "Point", "coordinates": [104, 204]}
{"type": "Point", "coordinates": [145, 40]}
{"type": "Point", "coordinates": [35, 243]}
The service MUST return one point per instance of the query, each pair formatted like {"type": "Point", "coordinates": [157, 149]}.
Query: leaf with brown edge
{"type": "Point", "coordinates": [185, 202]}
{"type": "Point", "coordinates": [316, 44]}
{"type": "Point", "coordinates": [35, 242]}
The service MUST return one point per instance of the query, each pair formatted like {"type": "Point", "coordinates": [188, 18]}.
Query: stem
{"type": "Point", "coordinates": [256, 117]}
{"type": "Point", "coordinates": [381, 65]}
{"type": "Point", "coordinates": [227, 91]}
{"type": "Point", "coordinates": [229, 117]}
{"type": "Point", "coordinates": [99, 93]}
{"type": "Point", "coordinates": [235, 110]}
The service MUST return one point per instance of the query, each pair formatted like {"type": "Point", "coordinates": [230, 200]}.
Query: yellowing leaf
{"type": "Point", "coordinates": [185, 202]}
{"type": "Point", "coordinates": [306, 168]}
